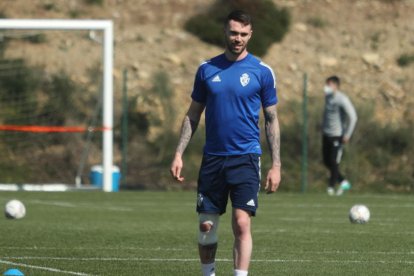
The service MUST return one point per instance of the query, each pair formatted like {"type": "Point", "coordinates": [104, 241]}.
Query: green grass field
{"type": "Point", "coordinates": [154, 233]}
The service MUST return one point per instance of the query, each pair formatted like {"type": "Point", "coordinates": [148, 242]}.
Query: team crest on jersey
{"type": "Point", "coordinates": [245, 79]}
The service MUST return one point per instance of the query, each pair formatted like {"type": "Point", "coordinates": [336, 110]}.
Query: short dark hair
{"type": "Point", "coordinates": [239, 16]}
{"type": "Point", "coordinates": [334, 79]}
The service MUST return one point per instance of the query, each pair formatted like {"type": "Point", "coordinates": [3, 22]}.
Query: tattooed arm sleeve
{"type": "Point", "coordinates": [189, 125]}
{"type": "Point", "coordinates": [273, 134]}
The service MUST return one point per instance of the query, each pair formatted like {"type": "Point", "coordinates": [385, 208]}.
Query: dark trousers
{"type": "Point", "coordinates": [332, 154]}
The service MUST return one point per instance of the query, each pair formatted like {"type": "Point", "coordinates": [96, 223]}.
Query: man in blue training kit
{"type": "Point", "coordinates": [232, 88]}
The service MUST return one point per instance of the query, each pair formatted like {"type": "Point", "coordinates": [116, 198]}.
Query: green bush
{"type": "Point", "coordinates": [375, 40]}
{"type": "Point", "coordinates": [49, 6]}
{"type": "Point", "coordinates": [270, 23]}
{"type": "Point", "coordinates": [74, 13]}
{"type": "Point", "coordinates": [16, 83]}
{"type": "Point", "coordinates": [162, 89]}
{"type": "Point", "coordinates": [405, 60]}
{"type": "Point", "coordinates": [94, 2]}
{"type": "Point", "coordinates": [36, 38]}
{"type": "Point", "coordinates": [60, 108]}
{"type": "Point", "coordinates": [317, 22]}
{"type": "Point", "coordinates": [389, 139]}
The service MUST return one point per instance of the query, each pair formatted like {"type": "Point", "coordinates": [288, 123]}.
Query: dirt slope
{"type": "Point", "coordinates": [358, 40]}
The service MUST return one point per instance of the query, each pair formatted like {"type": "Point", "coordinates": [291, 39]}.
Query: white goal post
{"type": "Point", "coordinates": [107, 59]}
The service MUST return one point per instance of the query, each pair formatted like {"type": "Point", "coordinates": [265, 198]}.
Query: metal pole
{"type": "Point", "coordinates": [55, 24]}
{"type": "Point", "coordinates": [108, 108]}
{"type": "Point", "coordinates": [304, 173]}
{"type": "Point", "coordinates": [124, 168]}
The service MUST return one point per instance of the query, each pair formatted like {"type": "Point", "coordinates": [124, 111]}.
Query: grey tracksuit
{"type": "Point", "coordinates": [339, 118]}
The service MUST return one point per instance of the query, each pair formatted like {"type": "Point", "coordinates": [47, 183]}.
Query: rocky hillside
{"type": "Point", "coordinates": [358, 40]}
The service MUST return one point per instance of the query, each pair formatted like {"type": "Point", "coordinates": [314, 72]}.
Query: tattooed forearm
{"type": "Point", "coordinates": [187, 130]}
{"type": "Point", "coordinates": [273, 133]}
{"type": "Point", "coordinates": [189, 126]}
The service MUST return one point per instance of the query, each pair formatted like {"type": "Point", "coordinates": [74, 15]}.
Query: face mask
{"type": "Point", "coordinates": [328, 90]}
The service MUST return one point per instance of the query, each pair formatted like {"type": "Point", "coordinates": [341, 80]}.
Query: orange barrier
{"type": "Point", "coordinates": [50, 129]}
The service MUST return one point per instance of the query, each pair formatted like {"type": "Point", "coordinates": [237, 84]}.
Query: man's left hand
{"type": "Point", "coordinates": [345, 140]}
{"type": "Point", "coordinates": [273, 180]}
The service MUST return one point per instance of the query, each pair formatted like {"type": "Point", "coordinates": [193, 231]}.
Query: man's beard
{"type": "Point", "coordinates": [230, 47]}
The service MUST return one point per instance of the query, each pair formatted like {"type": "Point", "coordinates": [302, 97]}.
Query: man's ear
{"type": "Point", "coordinates": [226, 25]}
{"type": "Point", "coordinates": [225, 30]}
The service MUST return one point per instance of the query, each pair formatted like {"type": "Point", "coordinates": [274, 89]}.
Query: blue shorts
{"type": "Point", "coordinates": [237, 176]}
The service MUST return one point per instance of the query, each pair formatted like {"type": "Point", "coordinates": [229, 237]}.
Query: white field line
{"type": "Point", "coordinates": [195, 260]}
{"type": "Point", "coordinates": [340, 205]}
{"type": "Point", "coordinates": [331, 232]}
{"type": "Point", "coordinates": [80, 205]}
{"type": "Point", "coordinates": [386, 222]}
{"type": "Point", "coordinates": [35, 248]}
{"type": "Point", "coordinates": [44, 268]}
{"type": "Point", "coordinates": [393, 197]}
{"type": "Point", "coordinates": [357, 196]}
{"type": "Point", "coordinates": [87, 204]}
{"type": "Point", "coordinates": [329, 252]}
{"type": "Point", "coordinates": [53, 203]}
{"type": "Point", "coordinates": [330, 219]}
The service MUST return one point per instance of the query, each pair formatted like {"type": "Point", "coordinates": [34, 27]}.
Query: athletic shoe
{"type": "Point", "coordinates": [330, 191]}
{"type": "Point", "coordinates": [340, 191]}
{"type": "Point", "coordinates": [345, 185]}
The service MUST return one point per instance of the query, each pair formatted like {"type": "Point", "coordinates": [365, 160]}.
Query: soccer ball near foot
{"type": "Point", "coordinates": [14, 209]}
{"type": "Point", "coordinates": [359, 214]}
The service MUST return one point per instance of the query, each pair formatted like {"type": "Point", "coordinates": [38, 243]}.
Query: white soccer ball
{"type": "Point", "coordinates": [14, 209]}
{"type": "Point", "coordinates": [359, 214]}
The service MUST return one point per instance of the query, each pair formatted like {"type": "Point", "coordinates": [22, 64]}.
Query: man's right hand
{"type": "Point", "coordinates": [273, 179]}
{"type": "Point", "coordinates": [176, 166]}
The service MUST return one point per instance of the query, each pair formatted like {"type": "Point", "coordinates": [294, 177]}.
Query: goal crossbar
{"type": "Point", "coordinates": [107, 59]}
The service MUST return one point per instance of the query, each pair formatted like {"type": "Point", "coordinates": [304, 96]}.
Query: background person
{"type": "Point", "coordinates": [339, 120]}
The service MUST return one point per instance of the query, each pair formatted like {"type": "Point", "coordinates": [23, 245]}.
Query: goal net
{"type": "Point", "coordinates": [54, 124]}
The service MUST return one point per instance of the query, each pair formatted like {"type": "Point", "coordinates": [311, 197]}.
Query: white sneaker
{"type": "Point", "coordinates": [344, 186]}
{"type": "Point", "coordinates": [330, 191]}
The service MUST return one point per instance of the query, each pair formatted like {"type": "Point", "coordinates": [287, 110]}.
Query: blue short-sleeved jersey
{"type": "Point", "coordinates": [233, 93]}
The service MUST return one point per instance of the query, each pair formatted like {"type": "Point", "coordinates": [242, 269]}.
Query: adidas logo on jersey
{"type": "Point", "coordinates": [216, 79]}
{"type": "Point", "coordinates": [251, 203]}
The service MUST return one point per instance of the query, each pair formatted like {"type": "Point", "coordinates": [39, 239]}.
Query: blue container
{"type": "Point", "coordinates": [96, 177]}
